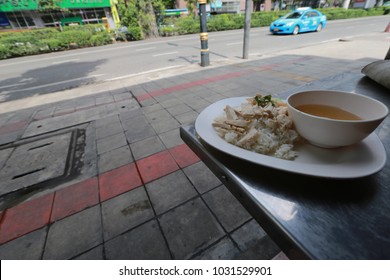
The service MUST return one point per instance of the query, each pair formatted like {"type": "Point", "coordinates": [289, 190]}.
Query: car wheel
{"type": "Point", "coordinates": [319, 27]}
{"type": "Point", "coordinates": [295, 30]}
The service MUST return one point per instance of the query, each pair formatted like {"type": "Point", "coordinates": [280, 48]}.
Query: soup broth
{"type": "Point", "coordinates": [327, 111]}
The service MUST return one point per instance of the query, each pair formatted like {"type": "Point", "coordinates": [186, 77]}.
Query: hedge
{"type": "Point", "coordinates": [37, 41]}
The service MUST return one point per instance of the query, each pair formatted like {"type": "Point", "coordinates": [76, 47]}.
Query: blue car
{"type": "Point", "coordinates": [298, 21]}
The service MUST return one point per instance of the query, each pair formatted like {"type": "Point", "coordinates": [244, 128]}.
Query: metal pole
{"type": "Point", "coordinates": [247, 28]}
{"type": "Point", "coordinates": [204, 36]}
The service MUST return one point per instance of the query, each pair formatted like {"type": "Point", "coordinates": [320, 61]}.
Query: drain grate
{"type": "Point", "coordinates": [32, 164]}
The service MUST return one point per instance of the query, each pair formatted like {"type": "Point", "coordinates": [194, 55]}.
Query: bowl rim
{"type": "Point", "coordinates": [337, 120]}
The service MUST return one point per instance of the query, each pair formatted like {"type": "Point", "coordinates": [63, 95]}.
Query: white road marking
{"type": "Point", "coordinates": [236, 43]}
{"type": "Point", "coordinates": [161, 54]}
{"type": "Point", "coordinates": [13, 85]}
{"type": "Point", "coordinates": [56, 83]}
{"type": "Point", "coordinates": [141, 73]}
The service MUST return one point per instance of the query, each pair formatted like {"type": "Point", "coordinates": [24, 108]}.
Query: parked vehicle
{"type": "Point", "coordinates": [298, 21]}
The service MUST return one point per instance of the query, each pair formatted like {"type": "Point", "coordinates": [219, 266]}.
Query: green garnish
{"type": "Point", "coordinates": [264, 101]}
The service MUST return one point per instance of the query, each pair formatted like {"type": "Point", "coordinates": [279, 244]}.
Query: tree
{"type": "Point", "coordinates": [140, 16]}
{"type": "Point", "coordinates": [50, 5]}
{"type": "Point", "coordinates": [191, 6]}
{"type": "Point", "coordinates": [346, 4]}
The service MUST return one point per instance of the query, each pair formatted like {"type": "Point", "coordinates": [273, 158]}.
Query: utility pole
{"type": "Point", "coordinates": [247, 28]}
{"type": "Point", "coordinates": [204, 36]}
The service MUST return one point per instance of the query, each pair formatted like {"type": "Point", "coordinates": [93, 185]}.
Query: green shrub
{"type": "Point", "coordinates": [136, 33]}
{"type": "Point", "coordinates": [55, 44]}
{"type": "Point", "coordinates": [100, 39]}
{"type": "Point", "coordinates": [75, 38]}
{"type": "Point", "coordinates": [187, 25]}
{"type": "Point", "coordinates": [225, 22]}
{"type": "Point", "coordinates": [4, 53]}
{"type": "Point", "coordinates": [167, 30]}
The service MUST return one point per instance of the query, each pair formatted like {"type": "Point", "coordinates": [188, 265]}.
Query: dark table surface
{"type": "Point", "coordinates": [312, 217]}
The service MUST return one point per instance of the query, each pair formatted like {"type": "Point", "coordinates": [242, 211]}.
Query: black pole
{"type": "Point", "coordinates": [204, 36]}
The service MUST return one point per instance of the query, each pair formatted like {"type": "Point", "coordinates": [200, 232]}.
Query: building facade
{"type": "Point", "coordinates": [25, 14]}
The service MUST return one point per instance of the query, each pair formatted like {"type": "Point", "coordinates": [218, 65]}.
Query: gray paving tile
{"type": "Point", "coordinates": [111, 143]}
{"type": "Point", "coordinates": [151, 86]}
{"type": "Point", "coordinates": [152, 108]}
{"type": "Point", "coordinates": [248, 234]}
{"type": "Point", "coordinates": [4, 155]}
{"type": "Point", "coordinates": [264, 249]}
{"type": "Point", "coordinates": [138, 129]}
{"type": "Point", "coordinates": [129, 115]}
{"type": "Point", "coordinates": [187, 118]}
{"type": "Point", "coordinates": [64, 110]}
{"type": "Point", "coordinates": [179, 109]}
{"type": "Point", "coordinates": [146, 147]}
{"type": "Point", "coordinates": [93, 254]}
{"type": "Point", "coordinates": [108, 130]}
{"type": "Point", "coordinates": [148, 102]}
{"type": "Point", "coordinates": [75, 234]}
{"type": "Point", "coordinates": [165, 125]}
{"type": "Point", "coordinates": [190, 228]}
{"type": "Point", "coordinates": [156, 116]}
{"type": "Point", "coordinates": [10, 137]}
{"type": "Point", "coordinates": [126, 105]}
{"type": "Point", "coordinates": [214, 97]}
{"type": "Point", "coordinates": [141, 243]}
{"type": "Point", "coordinates": [125, 211]}
{"type": "Point", "coordinates": [104, 99]}
{"type": "Point", "coordinates": [171, 138]}
{"type": "Point", "coordinates": [106, 121]}
{"type": "Point", "coordinates": [223, 250]}
{"type": "Point", "coordinates": [170, 191]}
{"type": "Point", "coordinates": [201, 177]}
{"type": "Point", "coordinates": [227, 208]}
{"type": "Point", "coordinates": [27, 247]}
{"type": "Point", "coordinates": [198, 104]}
{"type": "Point", "coordinates": [137, 90]}
{"type": "Point", "coordinates": [44, 113]}
{"type": "Point", "coordinates": [85, 102]}
{"type": "Point", "coordinates": [171, 102]}
{"type": "Point", "coordinates": [114, 159]}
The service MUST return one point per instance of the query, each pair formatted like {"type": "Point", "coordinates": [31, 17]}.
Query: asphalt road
{"type": "Point", "coordinates": [27, 76]}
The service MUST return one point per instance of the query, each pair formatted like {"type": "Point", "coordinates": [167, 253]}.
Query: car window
{"type": "Point", "coordinates": [293, 15]}
{"type": "Point", "coordinates": [313, 14]}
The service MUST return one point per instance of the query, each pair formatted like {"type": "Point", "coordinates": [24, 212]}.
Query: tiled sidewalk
{"type": "Point", "coordinates": [140, 192]}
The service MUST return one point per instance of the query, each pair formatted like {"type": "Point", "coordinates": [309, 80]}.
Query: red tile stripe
{"type": "Point", "coordinates": [156, 166]}
{"type": "Point", "coordinates": [25, 218]}
{"type": "Point", "coordinates": [119, 181]}
{"type": "Point", "coordinates": [12, 127]}
{"type": "Point", "coordinates": [183, 155]}
{"type": "Point", "coordinates": [188, 85]}
{"type": "Point", "coordinates": [75, 198]}
{"type": "Point", "coordinates": [39, 212]}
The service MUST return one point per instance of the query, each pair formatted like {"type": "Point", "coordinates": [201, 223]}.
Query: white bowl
{"type": "Point", "coordinates": [331, 133]}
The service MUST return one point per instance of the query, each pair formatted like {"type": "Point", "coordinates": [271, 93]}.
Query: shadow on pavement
{"type": "Point", "coordinates": [49, 79]}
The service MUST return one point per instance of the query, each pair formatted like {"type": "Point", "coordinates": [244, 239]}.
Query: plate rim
{"type": "Point", "coordinates": [374, 144]}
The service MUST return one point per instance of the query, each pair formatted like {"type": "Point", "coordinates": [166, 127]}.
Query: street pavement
{"type": "Point", "coordinates": [100, 171]}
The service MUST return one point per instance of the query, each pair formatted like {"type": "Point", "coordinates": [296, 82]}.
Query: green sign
{"type": "Point", "coordinates": [20, 5]}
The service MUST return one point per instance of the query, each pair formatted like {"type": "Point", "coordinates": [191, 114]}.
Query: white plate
{"type": "Point", "coordinates": [359, 160]}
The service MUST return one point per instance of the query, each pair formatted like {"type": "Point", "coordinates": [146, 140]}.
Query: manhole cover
{"type": "Point", "coordinates": [40, 161]}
